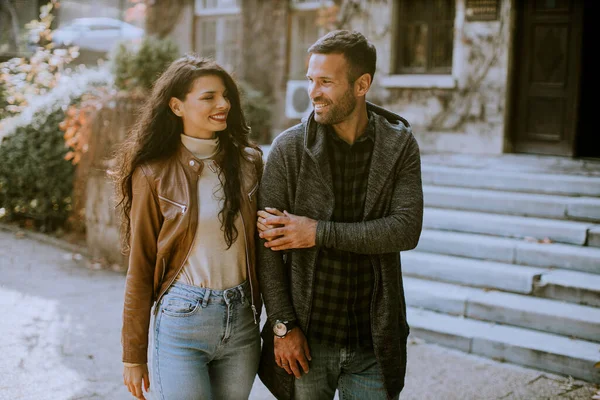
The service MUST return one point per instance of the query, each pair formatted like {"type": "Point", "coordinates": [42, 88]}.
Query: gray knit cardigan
{"type": "Point", "coordinates": [297, 178]}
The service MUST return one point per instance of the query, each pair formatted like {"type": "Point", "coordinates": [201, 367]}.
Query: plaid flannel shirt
{"type": "Point", "coordinates": [341, 310]}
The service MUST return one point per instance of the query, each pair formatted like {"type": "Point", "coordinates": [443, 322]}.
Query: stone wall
{"type": "Point", "coordinates": [466, 113]}
{"type": "Point", "coordinates": [110, 127]}
{"type": "Point", "coordinates": [469, 116]}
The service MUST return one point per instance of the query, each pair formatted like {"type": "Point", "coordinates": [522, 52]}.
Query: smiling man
{"type": "Point", "coordinates": [340, 197]}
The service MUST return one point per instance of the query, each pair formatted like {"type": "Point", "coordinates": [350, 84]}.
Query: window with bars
{"type": "Point", "coordinates": [220, 38]}
{"type": "Point", "coordinates": [425, 37]}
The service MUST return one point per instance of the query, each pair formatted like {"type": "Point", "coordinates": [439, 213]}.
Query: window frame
{"type": "Point", "coordinates": [429, 22]}
{"type": "Point", "coordinates": [221, 45]}
{"type": "Point", "coordinates": [294, 72]}
{"type": "Point", "coordinates": [449, 80]}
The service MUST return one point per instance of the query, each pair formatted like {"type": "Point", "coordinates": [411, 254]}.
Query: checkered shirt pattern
{"type": "Point", "coordinates": [341, 309]}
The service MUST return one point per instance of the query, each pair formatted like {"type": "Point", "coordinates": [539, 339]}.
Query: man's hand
{"type": "Point", "coordinates": [294, 232]}
{"type": "Point", "coordinates": [133, 377]}
{"type": "Point", "coordinates": [292, 350]}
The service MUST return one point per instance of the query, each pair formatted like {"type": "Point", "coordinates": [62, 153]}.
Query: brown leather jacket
{"type": "Point", "coordinates": [164, 218]}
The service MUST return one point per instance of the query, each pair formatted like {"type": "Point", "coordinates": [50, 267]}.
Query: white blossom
{"type": "Point", "coordinates": [67, 89]}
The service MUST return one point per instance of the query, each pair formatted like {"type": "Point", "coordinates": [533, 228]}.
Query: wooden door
{"type": "Point", "coordinates": [548, 61]}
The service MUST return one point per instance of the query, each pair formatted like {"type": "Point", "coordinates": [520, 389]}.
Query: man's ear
{"type": "Point", "coordinates": [176, 105]}
{"type": "Point", "coordinates": [362, 85]}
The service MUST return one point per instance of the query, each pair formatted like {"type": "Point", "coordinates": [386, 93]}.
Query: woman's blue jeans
{"type": "Point", "coordinates": [205, 345]}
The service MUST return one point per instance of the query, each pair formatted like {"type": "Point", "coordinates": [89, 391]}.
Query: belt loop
{"type": "Point", "coordinates": [206, 296]}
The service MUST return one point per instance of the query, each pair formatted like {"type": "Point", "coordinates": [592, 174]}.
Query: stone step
{"type": "Point", "coordinates": [465, 271]}
{"type": "Point", "coordinates": [594, 236]}
{"type": "Point", "coordinates": [511, 251]}
{"type": "Point", "coordinates": [513, 203]}
{"type": "Point", "coordinates": [507, 225]}
{"type": "Point", "coordinates": [571, 286]}
{"type": "Point", "coordinates": [514, 181]}
{"type": "Point", "coordinates": [539, 350]}
{"type": "Point", "coordinates": [554, 316]}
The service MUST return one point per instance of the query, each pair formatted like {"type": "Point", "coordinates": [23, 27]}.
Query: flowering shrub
{"type": "Point", "coordinates": [26, 78]}
{"type": "Point", "coordinates": [35, 180]}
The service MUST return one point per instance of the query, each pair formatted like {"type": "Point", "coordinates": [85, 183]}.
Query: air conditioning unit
{"type": "Point", "coordinates": [297, 102]}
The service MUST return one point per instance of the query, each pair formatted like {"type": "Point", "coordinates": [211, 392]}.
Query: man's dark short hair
{"type": "Point", "coordinates": [358, 51]}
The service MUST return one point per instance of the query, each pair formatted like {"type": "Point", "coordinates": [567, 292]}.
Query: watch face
{"type": "Point", "coordinates": [279, 329]}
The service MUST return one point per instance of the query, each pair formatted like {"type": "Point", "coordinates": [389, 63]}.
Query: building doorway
{"type": "Point", "coordinates": [548, 78]}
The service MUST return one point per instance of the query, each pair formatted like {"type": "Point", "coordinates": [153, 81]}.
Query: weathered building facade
{"type": "Point", "coordinates": [472, 76]}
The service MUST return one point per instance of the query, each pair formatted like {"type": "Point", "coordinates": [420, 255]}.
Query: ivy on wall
{"type": "Point", "coordinates": [468, 102]}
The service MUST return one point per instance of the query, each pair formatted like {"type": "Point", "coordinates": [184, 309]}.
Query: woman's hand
{"type": "Point", "coordinates": [133, 378]}
{"type": "Point", "coordinates": [261, 221]}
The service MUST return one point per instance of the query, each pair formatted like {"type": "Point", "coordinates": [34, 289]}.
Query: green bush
{"type": "Point", "coordinates": [137, 68]}
{"type": "Point", "coordinates": [36, 181]}
{"type": "Point", "coordinates": [257, 110]}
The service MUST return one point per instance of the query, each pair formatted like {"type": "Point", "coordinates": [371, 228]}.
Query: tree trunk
{"type": "Point", "coordinates": [162, 15]}
{"type": "Point", "coordinates": [264, 49]}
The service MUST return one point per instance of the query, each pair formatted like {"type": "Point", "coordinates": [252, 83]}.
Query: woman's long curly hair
{"type": "Point", "coordinates": [156, 133]}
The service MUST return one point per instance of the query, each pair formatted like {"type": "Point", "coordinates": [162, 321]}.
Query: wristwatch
{"type": "Point", "coordinates": [281, 328]}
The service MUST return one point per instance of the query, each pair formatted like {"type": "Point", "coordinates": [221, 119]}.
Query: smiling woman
{"type": "Point", "coordinates": [204, 110]}
{"type": "Point", "coordinates": [187, 180]}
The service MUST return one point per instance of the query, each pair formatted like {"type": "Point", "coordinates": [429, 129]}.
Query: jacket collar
{"type": "Point", "coordinates": [390, 130]}
{"type": "Point", "coordinates": [192, 163]}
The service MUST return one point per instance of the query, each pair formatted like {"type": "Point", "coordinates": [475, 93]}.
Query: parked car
{"type": "Point", "coordinates": [95, 34]}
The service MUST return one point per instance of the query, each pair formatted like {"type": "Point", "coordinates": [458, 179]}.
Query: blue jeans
{"type": "Point", "coordinates": [206, 344]}
{"type": "Point", "coordinates": [353, 371]}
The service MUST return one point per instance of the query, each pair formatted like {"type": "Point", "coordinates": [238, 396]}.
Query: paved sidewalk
{"type": "Point", "coordinates": [60, 330]}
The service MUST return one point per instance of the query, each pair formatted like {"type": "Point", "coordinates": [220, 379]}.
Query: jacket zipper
{"type": "Point", "coordinates": [164, 264]}
{"type": "Point", "coordinates": [178, 271]}
{"type": "Point", "coordinates": [183, 207]}
{"type": "Point", "coordinates": [252, 192]}
{"type": "Point", "coordinates": [248, 270]}
{"type": "Point", "coordinates": [183, 210]}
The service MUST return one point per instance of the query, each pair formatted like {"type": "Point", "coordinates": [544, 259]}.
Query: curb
{"type": "Point", "coordinates": [46, 239]}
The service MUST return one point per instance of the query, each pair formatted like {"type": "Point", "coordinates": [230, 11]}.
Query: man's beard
{"type": "Point", "coordinates": [338, 112]}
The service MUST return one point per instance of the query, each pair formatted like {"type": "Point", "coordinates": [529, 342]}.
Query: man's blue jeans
{"type": "Point", "coordinates": [353, 371]}
{"type": "Point", "coordinates": [206, 344]}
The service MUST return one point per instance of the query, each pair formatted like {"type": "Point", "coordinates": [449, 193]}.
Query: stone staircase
{"type": "Point", "coordinates": [508, 265]}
